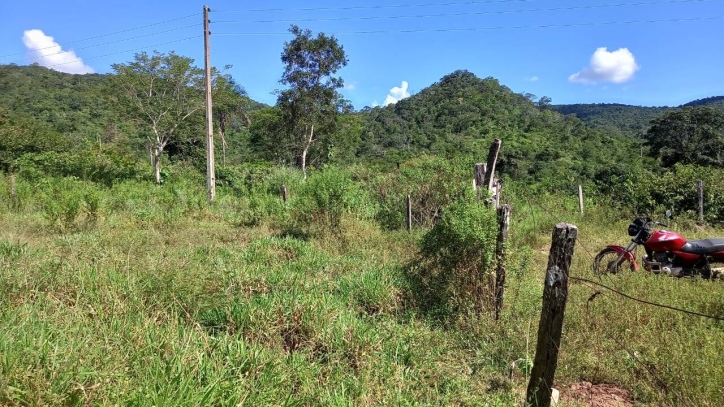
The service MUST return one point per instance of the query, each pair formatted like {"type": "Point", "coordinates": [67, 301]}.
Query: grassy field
{"type": "Point", "coordinates": [146, 298]}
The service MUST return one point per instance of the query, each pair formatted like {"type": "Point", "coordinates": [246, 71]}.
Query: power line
{"type": "Point", "coordinates": [388, 6]}
{"type": "Point", "coordinates": [122, 52]}
{"type": "Point", "coordinates": [646, 302]}
{"type": "Point", "coordinates": [424, 30]}
{"type": "Point", "coordinates": [471, 13]}
{"type": "Point", "coordinates": [113, 42]}
{"type": "Point", "coordinates": [109, 34]}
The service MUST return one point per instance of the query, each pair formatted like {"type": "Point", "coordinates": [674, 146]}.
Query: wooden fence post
{"type": "Point", "coordinates": [479, 176]}
{"type": "Point", "coordinates": [501, 257]}
{"type": "Point", "coordinates": [284, 193]}
{"type": "Point", "coordinates": [555, 294]}
{"type": "Point", "coordinates": [409, 213]}
{"type": "Point", "coordinates": [13, 193]}
{"type": "Point", "coordinates": [700, 191]}
{"type": "Point", "coordinates": [492, 161]}
{"type": "Point", "coordinates": [580, 198]}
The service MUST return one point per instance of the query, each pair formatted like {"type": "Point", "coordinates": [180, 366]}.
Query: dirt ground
{"type": "Point", "coordinates": [595, 395]}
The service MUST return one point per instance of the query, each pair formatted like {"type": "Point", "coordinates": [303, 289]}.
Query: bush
{"type": "Point", "coordinates": [454, 271]}
{"type": "Point", "coordinates": [431, 182]}
{"type": "Point", "coordinates": [644, 192]}
{"type": "Point", "coordinates": [106, 167]}
{"type": "Point", "coordinates": [325, 198]}
{"type": "Point", "coordinates": [65, 200]}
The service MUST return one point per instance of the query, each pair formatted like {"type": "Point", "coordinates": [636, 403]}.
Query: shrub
{"type": "Point", "coordinates": [325, 198]}
{"type": "Point", "coordinates": [453, 272]}
{"type": "Point", "coordinates": [431, 182]}
{"type": "Point", "coordinates": [65, 200]}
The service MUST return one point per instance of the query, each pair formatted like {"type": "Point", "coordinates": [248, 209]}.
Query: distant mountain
{"type": "Point", "coordinates": [461, 114]}
{"type": "Point", "coordinates": [627, 120]}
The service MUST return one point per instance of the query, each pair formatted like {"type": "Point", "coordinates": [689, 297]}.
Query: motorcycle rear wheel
{"type": "Point", "coordinates": [604, 263]}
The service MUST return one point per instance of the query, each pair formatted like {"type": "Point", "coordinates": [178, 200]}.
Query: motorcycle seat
{"type": "Point", "coordinates": [705, 246]}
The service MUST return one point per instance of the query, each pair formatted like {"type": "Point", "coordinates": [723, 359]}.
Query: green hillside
{"type": "Point", "coordinates": [461, 114]}
{"type": "Point", "coordinates": [627, 120]}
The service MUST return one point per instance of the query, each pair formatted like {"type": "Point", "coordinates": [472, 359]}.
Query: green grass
{"type": "Point", "coordinates": [163, 301]}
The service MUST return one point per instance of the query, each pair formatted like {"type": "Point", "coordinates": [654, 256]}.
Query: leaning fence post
{"type": "Point", "coordinates": [501, 257]}
{"type": "Point", "coordinates": [492, 161]}
{"type": "Point", "coordinates": [700, 192]}
{"type": "Point", "coordinates": [555, 294]}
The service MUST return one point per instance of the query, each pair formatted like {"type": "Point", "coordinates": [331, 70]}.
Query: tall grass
{"type": "Point", "coordinates": [166, 301]}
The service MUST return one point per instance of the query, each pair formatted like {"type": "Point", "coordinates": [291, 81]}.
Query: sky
{"type": "Point", "coordinates": [639, 52]}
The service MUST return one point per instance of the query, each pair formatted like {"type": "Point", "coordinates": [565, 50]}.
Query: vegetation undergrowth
{"type": "Point", "coordinates": [162, 300]}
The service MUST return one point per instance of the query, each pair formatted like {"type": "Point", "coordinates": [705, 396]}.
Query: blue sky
{"type": "Point", "coordinates": [573, 60]}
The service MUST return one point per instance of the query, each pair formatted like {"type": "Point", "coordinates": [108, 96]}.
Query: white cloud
{"type": "Point", "coordinates": [532, 79]}
{"type": "Point", "coordinates": [617, 67]}
{"type": "Point", "coordinates": [350, 86]}
{"type": "Point", "coordinates": [375, 103]}
{"type": "Point", "coordinates": [397, 93]}
{"type": "Point", "coordinates": [45, 51]}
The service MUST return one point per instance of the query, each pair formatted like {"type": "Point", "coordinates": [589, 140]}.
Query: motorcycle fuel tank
{"type": "Point", "coordinates": [663, 241]}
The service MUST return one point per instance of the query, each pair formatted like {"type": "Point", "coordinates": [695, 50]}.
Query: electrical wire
{"type": "Point", "coordinates": [471, 13]}
{"type": "Point", "coordinates": [379, 7]}
{"type": "Point", "coordinates": [112, 42]}
{"type": "Point", "coordinates": [426, 30]}
{"type": "Point", "coordinates": [122, 52]}
{"type": "Point", "coordinates": [109, 34]}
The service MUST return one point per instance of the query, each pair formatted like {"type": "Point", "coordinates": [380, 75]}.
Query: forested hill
{"type": "Point", "coordinates": [66, 103]}
{"type": "Point", "coordinates": [630, 121]}
{"type": "Point", "coordinates": [462, 114]}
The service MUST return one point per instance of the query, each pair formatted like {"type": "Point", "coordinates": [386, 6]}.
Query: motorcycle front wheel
{"type": "Point", "coordinates": [605, 262]}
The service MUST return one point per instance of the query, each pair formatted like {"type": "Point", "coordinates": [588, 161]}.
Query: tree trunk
{"type": "Point", "coordinates": [157, 151]}
{"type": "Point", "coordinates": [306, 150]}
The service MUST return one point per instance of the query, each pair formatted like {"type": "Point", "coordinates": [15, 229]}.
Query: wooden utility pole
{"type": "Point", "coordinates": [210, 165]}
{"type": "Point", "coordinates": [555, 294]}
{"type": "Point", "coordinates": [700, 192]}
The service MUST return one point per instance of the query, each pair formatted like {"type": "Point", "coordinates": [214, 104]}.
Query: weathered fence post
{"type": "Point", "coordinates": [700, 191]}
{"type": "Point", "coordinates": [479, 176]}
{"type": "Point", "coordinates": [409, 213]}
{"type": "Point", "coordinates": [555, 294]}
{"type": "Point", "coordinates": [13, 193]}
{"type": "Point", "coordinates": [498, 192]}
{"type": "Point", "coordinates": [284, 193]}
{"type": "Point", "coordinates": [580, 198]}
{"type": "Point", "coordinates": [492, 161]}
{"type": "Point", "coordinates": [501, 257]}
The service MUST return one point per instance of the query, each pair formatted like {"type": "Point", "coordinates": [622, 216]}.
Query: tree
{"type": "Point", "coordinates": [161, 91]}
{"type": "Point", "coordinates": [230, 99]}
{"type": "Point", "coordinates": [311, 104]}
{"type": "Point", "coordinates": [693, 135]}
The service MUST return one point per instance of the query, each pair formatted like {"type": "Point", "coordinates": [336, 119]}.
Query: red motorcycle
{"type": "Point", "coordinates": [666, 252]}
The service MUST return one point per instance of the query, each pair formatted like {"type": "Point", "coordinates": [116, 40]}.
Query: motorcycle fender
{"type": "Point", "coordinates": [629, 256]}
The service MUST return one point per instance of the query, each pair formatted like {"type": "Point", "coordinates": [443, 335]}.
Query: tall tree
{"type": "Point", "coordinates": [230, 100]}
{"type": "Point", "coordinates": [161, 91]}
{"type": "Point", "coordinates": [692, 135]}
{"type": "Point", "coordinates": [311, 104]}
